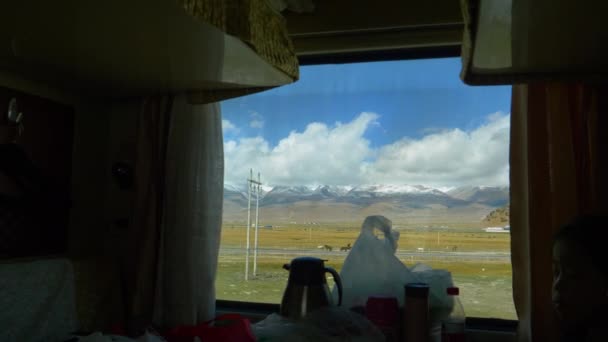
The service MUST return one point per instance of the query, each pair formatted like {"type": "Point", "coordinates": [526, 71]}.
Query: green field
{"type": "Point", "coordinates": [485, 282]}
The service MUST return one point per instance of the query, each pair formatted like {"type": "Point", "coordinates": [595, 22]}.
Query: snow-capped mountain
{"type": "Point", "coordinates": [381, 189]}
{"type": "Point", "coordinates": [490, 195]}
{"type": "Point", "coordinates": [332, 191]}
{"type": "Point", "coordinates": [345, 203]}
{"type": "Point", "coordinates": [408, 195]}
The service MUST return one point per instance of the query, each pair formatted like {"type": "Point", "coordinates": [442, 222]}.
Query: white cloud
{"type": "Point", "coordinates": [341, 155]}
{"type": "Point", "coordinates": [448, 158]}
{"type": "Point", "coordinates": [257, 121]}
{"type": "Point", "coordinates": [256, 124]}
{"type": "Point", "coordinates": [228, 126]}
{"type": "Point", "coordinates": [318, 155]}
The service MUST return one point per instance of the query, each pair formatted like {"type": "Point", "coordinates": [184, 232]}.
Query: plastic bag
{"type": "Point", "coordinates": [371, 268]}
{"type": "Point", "coordinates": [324, 325]}
{"type": "Point", "coordinates": [100, 337]}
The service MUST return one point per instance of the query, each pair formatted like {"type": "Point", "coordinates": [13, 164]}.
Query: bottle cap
{"type": "Point", "coordinates": [418, 290]}
{"type": "Point", "coordinates": [453, 291]}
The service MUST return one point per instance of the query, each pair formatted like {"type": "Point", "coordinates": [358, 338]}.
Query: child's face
{"type": "Point", "coordinates": [579, 289]}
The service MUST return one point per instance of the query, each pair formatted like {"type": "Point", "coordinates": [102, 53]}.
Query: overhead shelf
{"type": "Point", "coordinates": [125, 48]}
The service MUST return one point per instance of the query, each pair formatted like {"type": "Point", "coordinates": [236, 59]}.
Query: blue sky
{"type": "Point", "coordinates": [396, 110]}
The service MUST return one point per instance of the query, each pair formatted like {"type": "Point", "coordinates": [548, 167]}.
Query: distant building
{"type": "Point", "coordinates": [497, 229]}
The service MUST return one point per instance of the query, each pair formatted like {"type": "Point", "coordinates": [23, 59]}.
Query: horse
{"type": "Point", "coordinates": [345, 248]}
{"type": "Point", "coordinates": [326, 247]}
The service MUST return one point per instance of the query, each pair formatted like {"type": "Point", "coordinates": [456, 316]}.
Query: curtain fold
{"type": "Point", "coordinates": [175, 231]}
{"type": "Point", "coordinates": [192, 215]}
{"type": "Point", "coordinates": [558, 156]}
{"type": "Point", "coordinates": [145, 230]}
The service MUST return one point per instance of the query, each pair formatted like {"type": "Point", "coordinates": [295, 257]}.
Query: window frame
{"type": "Point", "coordinates": [256, 311]}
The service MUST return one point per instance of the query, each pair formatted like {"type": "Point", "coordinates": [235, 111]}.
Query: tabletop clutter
{"type": "Point", "coordinates": [375, 298]}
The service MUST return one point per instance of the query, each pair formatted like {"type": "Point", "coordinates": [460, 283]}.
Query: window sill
{"type": "Point", "coordinates": [254, 311]}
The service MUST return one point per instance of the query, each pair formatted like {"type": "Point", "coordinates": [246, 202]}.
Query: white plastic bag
{"type": "Point", "coordinates": [100, 337]}
{"type": "Point", "coordinates": [328, 324]}
{"type": "Point", "coordinates": [371, 268]}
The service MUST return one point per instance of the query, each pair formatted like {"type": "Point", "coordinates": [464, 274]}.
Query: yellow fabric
{"type": "Point", "coordinates": [558, 162]}
{"type": "Point", "coordinates": [255, 23]}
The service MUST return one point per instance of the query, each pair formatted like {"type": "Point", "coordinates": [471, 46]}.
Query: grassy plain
{"type": "Point", "coordinates": [436, 237]}
{"type": "Point", "coordinates": [485, 282]}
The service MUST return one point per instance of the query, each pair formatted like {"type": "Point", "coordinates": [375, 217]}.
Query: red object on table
{"type": "Point", "coordinates": [382, 309]}
{"type": "Point", "coordinates": [384, 313]}
{"type": "Point", "coordinates": [118, 329]}
{"type": "Point", "coordinates": [225, 328]}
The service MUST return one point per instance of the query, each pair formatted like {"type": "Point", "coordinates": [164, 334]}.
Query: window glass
{"type": "Point", "coordinates": [403, 139]}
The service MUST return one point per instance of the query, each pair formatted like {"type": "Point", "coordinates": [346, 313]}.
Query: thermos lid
{"type": "Point", "coordinates": [418, 290]}
{"type": "Point", "coordinates": [307, 271]}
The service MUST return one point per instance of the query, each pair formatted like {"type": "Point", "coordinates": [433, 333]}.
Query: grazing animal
{"type": "Point", "coordinates": [326, 247]}
{"type": "Point", "coordinates": [454, 249]}
{"type": "Point", "coordinates": [346, 248]}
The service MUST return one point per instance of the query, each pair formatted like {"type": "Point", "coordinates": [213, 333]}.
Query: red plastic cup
{"type": "Point", "coordinates": [382, 310]}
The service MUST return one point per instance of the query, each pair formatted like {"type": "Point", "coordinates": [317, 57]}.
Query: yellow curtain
{"type": "Point", "coordinates": [558, 158]}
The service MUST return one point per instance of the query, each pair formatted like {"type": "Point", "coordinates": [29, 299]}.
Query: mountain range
{"type": "Point", "coordinates": [346, 203]}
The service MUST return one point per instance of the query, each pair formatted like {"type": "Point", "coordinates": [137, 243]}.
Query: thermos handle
{"type": "Point", "coordinates": [338, 282]}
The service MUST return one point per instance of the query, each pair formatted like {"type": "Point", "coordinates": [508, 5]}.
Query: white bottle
{"type": "Point", "coordinates": [453, 327]}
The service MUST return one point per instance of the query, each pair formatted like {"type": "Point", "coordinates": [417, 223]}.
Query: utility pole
{"type": "Point", "coordinates": [248, 224]}
{"type": "Point", "coordinates": [257, 214]}
{"type": "Point", "coordinates": [254, 185]}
